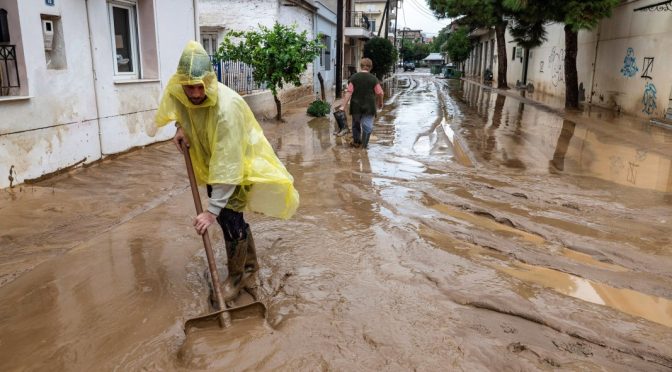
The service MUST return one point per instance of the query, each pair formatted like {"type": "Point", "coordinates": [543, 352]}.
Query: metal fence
{"type": "Point", "coordinates": [357, 19]}
{"type": "Point", "coordinates": [9, 70]}
{"type": "Point", "coordinates": [237, 76]}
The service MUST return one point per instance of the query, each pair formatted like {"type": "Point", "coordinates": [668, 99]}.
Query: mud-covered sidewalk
{"type": "Point", "coordinates": [468, 237]}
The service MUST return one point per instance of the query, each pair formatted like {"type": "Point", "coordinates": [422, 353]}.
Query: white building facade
{"type": "Point", "coordinates": [217, 17]}
{"type": "Point", "coordinates": [82, 79]}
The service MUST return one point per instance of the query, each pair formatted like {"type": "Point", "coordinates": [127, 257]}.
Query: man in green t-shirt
{"type": "Point", "coordinates": [364, 95]}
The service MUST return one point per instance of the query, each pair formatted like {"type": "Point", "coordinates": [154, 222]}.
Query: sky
{"type": "Point", "coordinates": [415, 14]}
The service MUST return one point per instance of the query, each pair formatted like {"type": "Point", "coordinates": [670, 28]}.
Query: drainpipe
{"type": "Point", "coordinates": [95, 76]}
{"type": "Point", "coordinates": [197, 30]}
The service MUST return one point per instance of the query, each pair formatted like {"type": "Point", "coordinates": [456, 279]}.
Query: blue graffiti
{"type": "Point", "coordinates": [649, 99]}
{"type": "Point", "coordinates": [629, 64]}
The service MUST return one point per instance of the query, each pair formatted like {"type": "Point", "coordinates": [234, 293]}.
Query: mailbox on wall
{"type": "Point", "coordinates": [48, 33]}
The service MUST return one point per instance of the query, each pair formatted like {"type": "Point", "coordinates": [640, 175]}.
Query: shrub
{"type": "Point", "coordinates": [319, 108]}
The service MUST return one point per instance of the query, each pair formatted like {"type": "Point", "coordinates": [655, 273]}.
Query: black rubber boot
{"type": "Point", "coordinates": [365, 140]}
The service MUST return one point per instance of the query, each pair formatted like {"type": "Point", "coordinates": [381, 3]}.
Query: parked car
{"type": "Point", "coordinates": [409, 66]}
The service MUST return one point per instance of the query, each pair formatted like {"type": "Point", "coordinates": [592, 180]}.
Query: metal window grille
{"type": "Point", "coordinates": [357, 19]}
{"type": "Point", "coordinates": [237, 76]}
{"type": "Point", "coordinates": [9, 70]}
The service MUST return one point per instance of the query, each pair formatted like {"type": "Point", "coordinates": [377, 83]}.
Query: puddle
{"type": "Point", "coordinates": [507, 133]}
{"type": "Point", "coordinates": [655, 309]}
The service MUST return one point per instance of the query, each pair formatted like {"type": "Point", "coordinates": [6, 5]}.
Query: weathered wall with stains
{"type": "Point", "coordinates": [55, 124]}
{"type": "Point", "coordinates": [546, 68]}
{"type": "Point", "coordinates": [67, 116]}
{"type": "Point", "coordinates": [633, 56]}
{"type": "Point", "coordinates": [620, 63]}
{"type": "Point", "coordinates": [247, 15]}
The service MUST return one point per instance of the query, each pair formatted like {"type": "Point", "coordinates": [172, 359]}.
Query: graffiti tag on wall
{"type": "Point", "coordinates": [649, 99]}
{"type": "Point", "coordinates": [556, 61]}
{"type": "Point", "coordinates": [647, 67]}
{"type": "Point", "coordinates": [629, 68]}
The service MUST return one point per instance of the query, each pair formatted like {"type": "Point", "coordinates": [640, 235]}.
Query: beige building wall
{"type": "Point", "coordinates": [621, 63]}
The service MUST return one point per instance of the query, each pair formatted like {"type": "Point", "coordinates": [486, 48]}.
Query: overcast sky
{"type": "Point", "coordinates": [416, 15]}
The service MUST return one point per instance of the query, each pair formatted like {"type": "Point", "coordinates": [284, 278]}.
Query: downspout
{"type": "Point", "coordinates": [316, 66]}
{"type": "Point", "coordinates": [95, 76]}
{"type": "Point", "coordinates": [197, 30]}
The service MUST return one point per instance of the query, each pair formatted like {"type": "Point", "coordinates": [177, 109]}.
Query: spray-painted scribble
{"type": "Point", "coordinates": [649, 99]}
{"type": "Point", "coordinates": [629, 68]}
{"type": "Point", "coordinates": [647, 67]}
{"type": "Point", "coordinates": [632, 172]}
{"type": "Point", "coordinates": [557, 63]}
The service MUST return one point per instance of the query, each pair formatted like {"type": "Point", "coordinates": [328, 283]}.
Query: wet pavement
{"type": "Point", "coordinates": [478, 232]}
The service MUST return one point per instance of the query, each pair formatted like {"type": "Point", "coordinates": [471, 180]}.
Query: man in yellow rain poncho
{"type": "Point", "coordinates": [230, 155]}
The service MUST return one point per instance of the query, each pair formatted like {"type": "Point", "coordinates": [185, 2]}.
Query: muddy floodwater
{"type": "Point", "coordinates": [480, 231]}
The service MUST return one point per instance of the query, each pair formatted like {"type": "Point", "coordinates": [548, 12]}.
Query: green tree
{"type": "Point", "coordinates": [278, 55]}
{"type": "Point", "coordinates": [406, 50]}
{"type": "Point", "coordinates": [440, 40]}
{"type": "Point", "coordinates": [458, 45]}
{"type": "Point", "coordinates": [382, 53]}
{"type": "Point", "coordinates": [481, 13]}
{"type": "Point", "coordinates": [576, 15]}
{"type": "Point", "coordinates": [528, 30]}
{"type": "Point", "coordinates": [420, 51]}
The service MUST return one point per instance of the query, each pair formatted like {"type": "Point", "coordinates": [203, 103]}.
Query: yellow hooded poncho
{"type": "Point", "coordinates": [227, 144]}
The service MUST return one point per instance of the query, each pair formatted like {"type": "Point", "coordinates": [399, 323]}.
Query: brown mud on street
{"type": "Point", "coordinates": [476, 233]}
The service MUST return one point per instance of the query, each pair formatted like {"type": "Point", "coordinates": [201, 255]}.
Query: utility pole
{"type": "Point", "coordinates": [385, 12]}
{"type": "Point", "coordinates": [339, 47]}
{"type": "Point", "coordinates": [387, 18]}
{"type": "Point", "coordinates": [396, 29]}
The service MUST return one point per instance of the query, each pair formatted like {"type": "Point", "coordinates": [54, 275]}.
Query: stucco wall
{"type": "Point", "coordinates": [57, 126]}
{"type": "Point", "coordinates": [68, 117]}
{"type": "Point", "coordinates": [247, 15]}
{"type": "Point", "coordinates": [325, 23]}
{"type": "Point", "coordinates": [632, 85]}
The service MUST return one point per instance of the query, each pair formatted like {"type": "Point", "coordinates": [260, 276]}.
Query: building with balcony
{"type": "Point", "coordinates": [374, 11]}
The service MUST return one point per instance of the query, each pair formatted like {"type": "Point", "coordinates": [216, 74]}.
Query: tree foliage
{"type": "Point", "coordinates": [458, 45]}
{"type": "Point", "coordinates": [278, 55]}
{"type": "Point", "coordinates": [576, 15]}
{"type": "Point", "coordinates": [481, 13]}
{"type": "Point", "coordinates": [383, 55]}
{"type": "Point", "coordinates": [438, 43]}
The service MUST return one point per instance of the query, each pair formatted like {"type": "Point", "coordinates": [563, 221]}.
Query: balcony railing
{"type": "Point", "coordinates": [9, 70]}
{"type": "Point", "coordinates": [237, 76]}
{"type": "Point", "coordinates": [357, 19]}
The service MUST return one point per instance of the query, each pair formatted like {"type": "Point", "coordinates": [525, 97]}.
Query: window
{"type": "Point", "coordinates": [325, 61]}
{"type": "Point", "coordinates": [372, 25]}
{"type": "Point", "coordinates": [124, 39]}
{"type": "Point", "coordinates": [4, 27]}
{"type": "Point", "coordinates": [513, 54]}
{"type": "Point", "coordinates": [209, 42]}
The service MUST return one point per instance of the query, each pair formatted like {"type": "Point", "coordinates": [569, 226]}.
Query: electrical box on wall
{"type": "Point", "coordinates": [48, 33]}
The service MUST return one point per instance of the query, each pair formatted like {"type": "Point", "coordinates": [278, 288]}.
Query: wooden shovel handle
{"type": "Point", "coordinates": [225, 318]}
